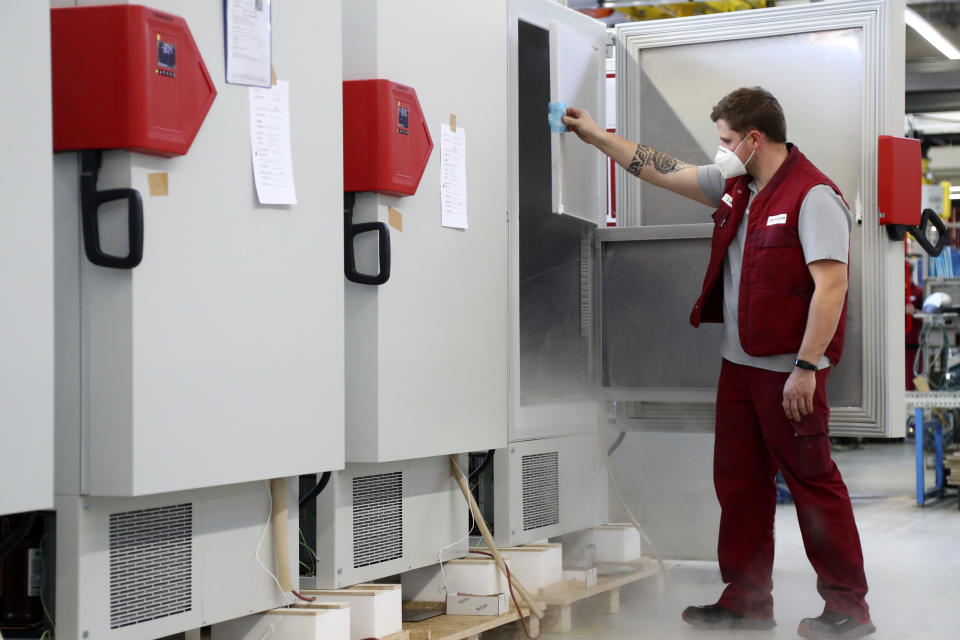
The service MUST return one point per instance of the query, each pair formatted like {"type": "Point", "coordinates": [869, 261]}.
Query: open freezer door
{"type": "Point", "coordinates": [663, 371]}
{"type": "Point", "coordinates": [556, 54]}
{"type": "Point", "coordinates": [577, 65]}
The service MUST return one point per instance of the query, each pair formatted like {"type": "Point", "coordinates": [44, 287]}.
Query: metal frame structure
{"type": "Point", "coordinates": [920, 402]}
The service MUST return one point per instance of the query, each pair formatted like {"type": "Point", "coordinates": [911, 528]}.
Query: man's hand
{"type": "Point", "coordinates": [798, 394]}
{"type": "Point", "coordinates": [580, 122]}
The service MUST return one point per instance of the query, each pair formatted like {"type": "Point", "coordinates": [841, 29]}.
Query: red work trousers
{"type": "Point", "coordinates": [754, 439]}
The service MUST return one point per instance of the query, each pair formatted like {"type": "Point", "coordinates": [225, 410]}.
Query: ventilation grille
{"type": "Point", "coordinates": [541, 490]}
{"type": "Point", "coordinates": [377, 519]}
{"type": "Point", "coordinates": [151, 557]}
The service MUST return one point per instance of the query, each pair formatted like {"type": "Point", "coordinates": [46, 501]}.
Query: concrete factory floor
{"type": "Point", "coordinates": [912, 557]}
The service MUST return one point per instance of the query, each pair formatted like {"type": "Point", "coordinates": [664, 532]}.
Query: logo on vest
{"type": "Point", "coordinates": [727, 199]}
{"type": "Point", "coordinates": [778, 219]}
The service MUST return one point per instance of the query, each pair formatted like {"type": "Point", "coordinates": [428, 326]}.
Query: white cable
{"type": "Point", "coordinates": [443, 576]}
{"type": "Point", "coordinates": [264, 535]}
{"type": "Point", "coordinates": [630, 516]}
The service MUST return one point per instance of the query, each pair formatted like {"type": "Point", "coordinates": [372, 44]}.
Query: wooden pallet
{"type": "Point", "coordinates": [561, 598]}
{"type": "Point", "coordinates": [204, 634]}
{"type": "Point", "coordinates": [459, 627]}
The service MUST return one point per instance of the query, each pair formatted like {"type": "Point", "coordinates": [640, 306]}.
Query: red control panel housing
{"type": "Point", "coordinates": [386, 141]}
{"type": "Point", "coordinates": [899, 181]}
{"type": "Point", "coordinates": [126, 77]}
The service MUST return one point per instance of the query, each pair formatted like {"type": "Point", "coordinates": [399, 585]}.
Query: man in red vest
{"type": "Point", "coordinates": [777, 280]}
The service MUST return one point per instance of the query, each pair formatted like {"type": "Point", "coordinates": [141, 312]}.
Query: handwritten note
{"type": "Point", "coordinates": [453, 177]}
{"type": "Point", "coordinates": [270, 144]}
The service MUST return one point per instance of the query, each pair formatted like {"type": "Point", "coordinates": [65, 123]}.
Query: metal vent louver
{"type": "Point", "coordinates": [151, 558]}
{"type": "Point", "coordinates": [541, 490]}
{"type": "Point", "coordinates": [377, 519]}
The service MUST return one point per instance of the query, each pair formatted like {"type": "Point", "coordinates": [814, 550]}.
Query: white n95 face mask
{"type": "Point", "coordinates": [729, 164]}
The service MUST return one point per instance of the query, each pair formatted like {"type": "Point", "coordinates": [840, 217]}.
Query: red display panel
{"type": "Point", "coordinates": [386, 142]}
{"type": "Point", "coordinates": [126, 77]}
{"type": "Point", "coordinates": [899, 181]}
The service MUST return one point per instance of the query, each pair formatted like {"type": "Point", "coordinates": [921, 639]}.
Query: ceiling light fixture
{"type": "Point", "coordinates": [934, 37]}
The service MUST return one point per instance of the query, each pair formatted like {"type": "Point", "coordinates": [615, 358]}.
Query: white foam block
{"type": "Point", "coordinates": [317, 622]}
{"type": "Point", "coordinates": [535, 566]}
{"type": "Point", "coordinates": [375, 609]}
{"type": "Point", "coordinates": [478, 576]}
{"type": "Point", "coordinates": [616, 543]}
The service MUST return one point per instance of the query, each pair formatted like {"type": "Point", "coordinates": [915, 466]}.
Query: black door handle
{"type": "Point", "coordinates": [929, 216]}
{"type": "Point", "coordinates": [351, 231]}
{"type": "Point", "coordinates": [90, 202]}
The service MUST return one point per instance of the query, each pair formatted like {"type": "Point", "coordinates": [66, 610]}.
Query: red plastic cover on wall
{"type": "Point", "coordinates": [899, 181]}
{"type": "Point", "coordinates": [126, 77]}
{"type": "Point", "coordinates": [386, 142]}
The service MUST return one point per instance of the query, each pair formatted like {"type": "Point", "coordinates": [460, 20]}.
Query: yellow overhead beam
{"type": "Point", "coordinates": [693, 8]}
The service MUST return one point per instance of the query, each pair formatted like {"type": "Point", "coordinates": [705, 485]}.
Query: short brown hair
{"type": "Point", "coordinates": [753, 108]}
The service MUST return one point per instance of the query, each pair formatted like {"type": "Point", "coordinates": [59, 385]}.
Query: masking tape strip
{"type": "Point", "coordinates": [159, 184]}
{"type": "Point", "coordinates": [396, 219]}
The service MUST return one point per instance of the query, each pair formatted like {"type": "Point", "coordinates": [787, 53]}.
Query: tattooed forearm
{"type": "Point", "coordinates": [662, 162]}
{"type": "Point", "coordinates": [640, 159]}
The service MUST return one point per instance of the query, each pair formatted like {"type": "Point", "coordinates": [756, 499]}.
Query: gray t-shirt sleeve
{"type": "Point", "coordinates": [824, 225]}
{"type": "Point", "coordinates": [711, 182]}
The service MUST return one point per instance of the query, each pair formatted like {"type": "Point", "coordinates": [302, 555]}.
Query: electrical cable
{"type": "Point", "coordinates": [616, 443]}
{"type": "Point", "coordinates": [317, 489]}
{"type": "Point", "coordinates": [313, 554]}
{"type": "Point", "coordinates": [43, 586]}
{"type": "Point", "coordinates": [513, 596]}
{"type": "Point", "coordinates": [264, 535]}
{"type": "Point", "coordinates": [483, 466]}
{"type": "Point", "coordinates": [304, 598]}
{"type": "Point", "coordinates": [443, 576]}
{"type": "Point", "coordinates": [630, 516]}
{"type": "Point", "coordinates": [303, 541]}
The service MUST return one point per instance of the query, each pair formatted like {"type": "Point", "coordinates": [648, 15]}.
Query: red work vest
{"type": "Point", "coordinates": [775, 282]}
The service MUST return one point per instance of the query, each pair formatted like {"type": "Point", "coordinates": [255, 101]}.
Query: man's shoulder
{"type": "Point", "coordinates": [823, 209]}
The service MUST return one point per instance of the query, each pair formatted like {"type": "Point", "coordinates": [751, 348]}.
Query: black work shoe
{"type": "Point", "coordinates": [715, 616]}
{"type": "Point", "coordinates": [832, 626]}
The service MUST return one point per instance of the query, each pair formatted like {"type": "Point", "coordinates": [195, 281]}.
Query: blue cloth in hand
{"type": "Point", "coordinates": [555, 116]}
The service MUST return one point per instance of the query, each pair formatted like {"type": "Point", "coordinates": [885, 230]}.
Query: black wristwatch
{"type": "Point", "coordinates": [803, 364]}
